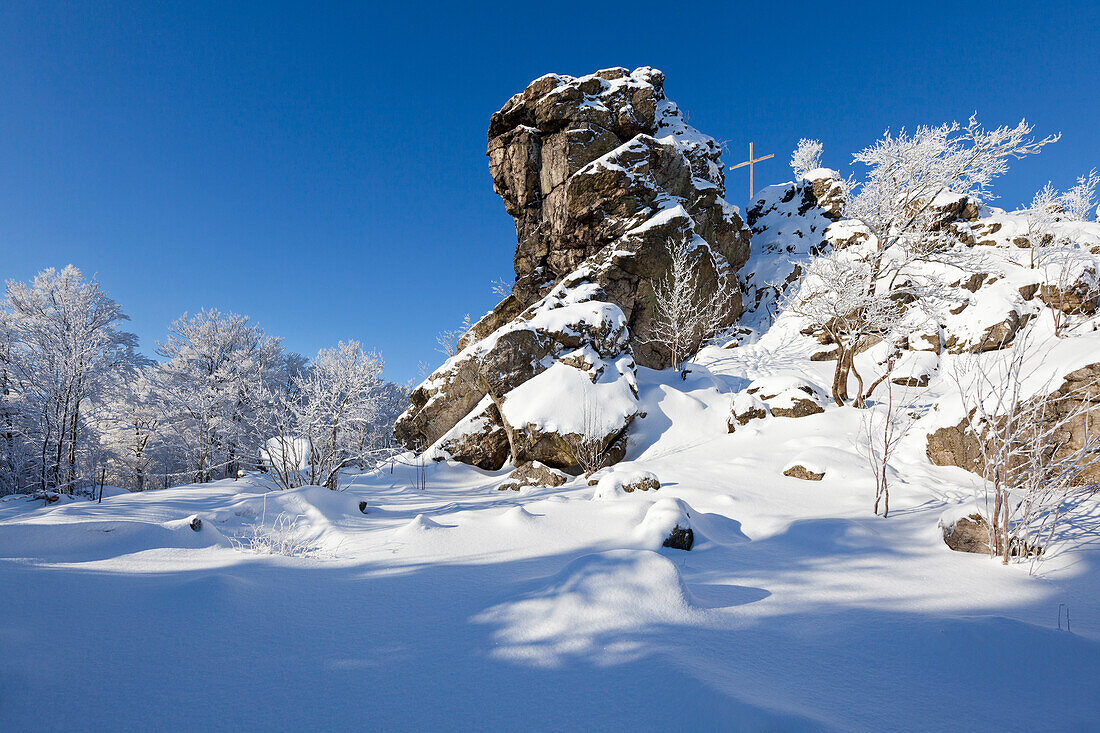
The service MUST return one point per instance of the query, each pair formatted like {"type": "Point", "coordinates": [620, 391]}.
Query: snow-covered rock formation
{"type": "Point", "coordinates": [987, 284]}
{"type": "Point", "coordinates": [788, 223]}
{"type": "Point", "coordinates": [599, 173]}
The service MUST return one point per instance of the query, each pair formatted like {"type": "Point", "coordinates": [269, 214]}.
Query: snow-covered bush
{"type": "Point", "coordinates": [1038, 454]}
{"type": "Point", "coordinates": [806, 157]}
{"type": "Point", "coordinates": [285, 536]}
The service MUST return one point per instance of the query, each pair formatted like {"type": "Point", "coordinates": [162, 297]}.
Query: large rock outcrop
{"type": "Point", "coordinates": [599, 173]}
{"type": "Point", "coordinates": [582, 163]}
{"type": "Point", "coordinates": [1074, 408]}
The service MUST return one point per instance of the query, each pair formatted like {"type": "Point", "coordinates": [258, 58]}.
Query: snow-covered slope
{"type": "Point", "coordinates": [461, 606]}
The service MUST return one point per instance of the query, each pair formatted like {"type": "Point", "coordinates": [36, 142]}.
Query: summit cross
{"type": "Point", "coordinates": [750, 162]}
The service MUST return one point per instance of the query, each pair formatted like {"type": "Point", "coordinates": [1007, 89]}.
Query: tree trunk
{"type": "Point", "coordinates": [73, 427]}
{"type": "Point", "coordinates": [840, 375]}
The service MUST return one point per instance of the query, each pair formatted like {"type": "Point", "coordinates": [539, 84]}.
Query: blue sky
{"type": "Point", "coordinates": [321, 167]}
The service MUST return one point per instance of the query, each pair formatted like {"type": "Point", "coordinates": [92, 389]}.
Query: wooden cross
{"type": "Point", "coordinates": [750, 163]}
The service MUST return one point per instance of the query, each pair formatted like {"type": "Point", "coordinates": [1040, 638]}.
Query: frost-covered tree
{"type": "Point", "coordinates": [64, 346]}
{"type": "Point", "coordinates": [218, 373]}
{"type": "Point", "coordinates": [14, 451]}
{"type": "Point", "coordinates": [908, 177]}
{"type": "Point", "coordinates": [806, 157]}
{"type": "Point", "coordinates": [837, 297]}
{"type": "Point", "coordinates": [325, 426]}
{"type": "Point", "coordinates": [1049, 207]}
{"type": "Point", "coordinates": [684, 314]}
{"type": "Point", "coordinates": [1042, 215]}
{"type": "Point", "coordinates": [899, 209]}
{"type": "Point", "coordinates": [131, 420]}
{"type": "Point", "coordinates": [1079, 202]}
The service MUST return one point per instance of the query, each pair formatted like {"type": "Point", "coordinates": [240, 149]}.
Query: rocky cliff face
{"type": "Point", "coordinates": [599, 173]}
{"type": "Point", "coordinates": [789, 223]}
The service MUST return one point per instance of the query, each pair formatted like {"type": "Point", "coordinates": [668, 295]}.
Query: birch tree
{"type": "Point", "coordinates": [66, 346]}
{"type": "Point", "coordinates": [685, 316]}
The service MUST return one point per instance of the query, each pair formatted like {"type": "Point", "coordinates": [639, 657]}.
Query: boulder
{"type": "Point", "coordinates": [796, 403]}
{"type": "Point", "coordinates": [614, 482]}
{"type": "Point", "coordinates": [479, 439]}
{"type": "Point", "coordinates": [949, 207]}
{"type": "Point", "coordinates": [680, 538]}
{"type": "Point", "coordinates": [993, 329]}
{"type": "Point", "coordinates": [1079, 298]}
{"type": "Point", "coordinates": [746, 408]}
{"type": "Point", "coordinates": [802, 472]}
{"type": "Point", "coordinates": [646, 482]}
{"type": "Point", "coordinates": [915, 368]}
{"type": "Point", "coordinates": [957, 445]}
{"type": "Point", "coordinates": [966, 534]}
{"type": "Point", "coordinates": [532, 474]}
{"type": "Point", "coordinates": [788, 396]}
{"type": "Point", "coordinates": [667, 523]}
{"type": "Point", "coordinates": [928, 339]}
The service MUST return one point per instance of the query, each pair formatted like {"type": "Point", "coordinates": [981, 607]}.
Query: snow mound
{"type": "Point", "coordinates": [767, 388]}
{"type": "Point", "coordinates": [418, 525]}
{"type": "Point", "coordinates": [516, 517]}
{"type": "Point", "coordinates": [915, 368]}
{"type": "Point", "coordinates": [664, 516]}
{"type": "Point", "coordinates": [835, 461]}
{"type": "Point", "coordinates": [619, 482]}
{"type": "Point", "coordinates": [595, 608]}
{"type": "Point", "coordinates": [102, 540]}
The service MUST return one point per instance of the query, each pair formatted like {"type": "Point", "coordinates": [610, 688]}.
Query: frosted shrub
{"type": "Point", "coordinates": [684, 315]}
{"type": "Point", "coordinates": [806, 157]}
{"type": "Point", "coordinates": [284, 537]}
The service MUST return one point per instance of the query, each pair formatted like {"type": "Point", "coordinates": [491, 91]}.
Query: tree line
{"type": "Point", "coordinates": [81, 406]}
